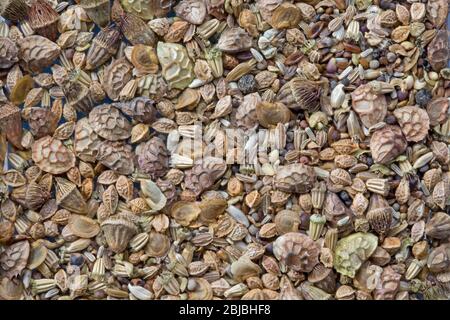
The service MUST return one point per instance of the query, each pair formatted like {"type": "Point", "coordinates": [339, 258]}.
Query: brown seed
{"type": "Point", "coordinates": [286, 16]}
{"type": "Point", "coordinates": [387, 143]}
{"type": "Point", "coordinates": [414, 122]}
{"type": "Point", "coordinates": [43, 19]}
{"type": "Point", "coordinates": [296, 251]}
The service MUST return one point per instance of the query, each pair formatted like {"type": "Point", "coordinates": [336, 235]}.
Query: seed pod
{"type": "Point", "coordinates": [296, 177]}
{"type": "Point", "coordinates": [117, 156]}
{"type": "Point", "coordinates": [104, 46]}
{"type": "Point", "coordinates": [286, 16]}
{"type": "Point", "coordinates": [38, 52]}
{"type": "Point", "coordinates": [414, 122]}
{"type": "Point", "coordinates": [387, 143]}
{"type": "Point", "coordinates": [43, 19]}
{"type": "Point", "coordinates": [136, 30]}
{"type": "Point", "coordinates": [402, 193]}
{"type": "Point", "coordinates": [98, 10]}
{"type": "Point", "coordinates": [177, 68]}
{"type": "Point", "coordinates": [370, 106]}
{"type": "Point", "coordinates": [153, 157]}
{"type": "Point", "coordinates": [11, 124]}
{"type": "Point", "coordinates": [8, 53]}
{"type": "Point", "coordinates": [437, 12]}
{"type": "Point", "coordinates": [316, 225]}
{"type": "Point", "coordinates": [109, 123]}
{"type": "Point", "coordinates": [352, 251]}
{"type": "Point", "coordinates": [14, 10]}
{"type": "Point", "coordinates": [299, 94]}
{"type": "Point", "coordinates": [69, 197]}
{"type": "Point", "coordinates": [270, 114]}
{"type": "Point", "coordinates": [118, 231]}
{"type": "Point", "coordinates": [193, 11]}
{"type": "Point", "coordinates": [234, 40]}
{"type": "Point", "coordinates": [116, 76]}
{"type": "Point", "coordinates": [379, 214]}
{"type": "Point", "coordinates": [388, 285]}
{"type": "Point", "coordinates": [296, 251]}
{"type": "Point", "coordinates": [52, 156]}
{"type": "Point", "coordinates": [438, 51]}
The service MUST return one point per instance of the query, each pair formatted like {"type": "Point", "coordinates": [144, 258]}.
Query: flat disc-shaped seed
{"type": "Point", "coordinates": [83, 227]}
{"type": "Point", "coordinates": [52, 156]}
{"type": "Point", "coordinates": [109, 123]}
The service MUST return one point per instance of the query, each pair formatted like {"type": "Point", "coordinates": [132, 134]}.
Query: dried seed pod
{"type": "Point", "coordinates": [379, 214]}
{"type": "Point", "coordinates": [158, 245]}
{"type": "Point", "coordinates": [441, 194]}
{"type": "Point", "coordinates": [388, 285]}
{"type": "Point", "coordinates": [438, 51]}
{"type": "Point", "coordinates": [38, 52]}
{"type": "Point", "coordinates": [78, 96]}
{"type": "Point", "coordinates": [118, 231]}
{"type": "Point", "coordinates": [296, 251]}
{"type": "Point", "coordinates": [439, 226]}
{"type": "Point", "coordinates": [185, 212]}
{"type": "Point", "coordinates": [270, 114]}
{"type": "Point", "coordinates": [286, 16]}
{"type": "Point", "coordinates": [437, 12]}
{"type": "Point", "coordinates": [125, 187]}
{"type": "Point", "coordinates": [402, 193]}
{"type": "Point", "coordinates": [437, 110]}
{"type": "Point", "coordinates": [211, 209]}
{"type": "Point", "coordinates": [110, 199]}
{"type": "Point", "coordinates": [203, 175]}
{"type": "Point", "coordinates": [295, 177]}
{"type": "Point", "coordinates": [14, 259]}
{"type": "Point", "coordinates": [98, 11]}
{"type": "Point", "coordinates": [104, 46]}
{"type": "Point", "coordinates": [193, 11]}
{"type": "Point", "coordinates": [287, 221]}
{"type": "Point", "coordinates": [15, 10]}
{"type": "Point", "coordinates": [402, 14]}
{"type": "Point", "coordinates": [42, 122]}
{"type": "Point", "coordinates": [352, 251]}
{"type": "Point", "coordinates": [43, 19]}
{"type": "Point", "coordinates": [117, 156]}
{"type": "Point", "coordinates": [248, 21]}
{"type": "Point", "coordinates": [414, 122]}
{"type": "Point", "coordinates": [11, 124]}
{"type": "Point", "coordinates": [83, 227]}
{"type": "Point", "coordinates": [136, 30]}
{"type": "Point", "coordinates": [69, 197]}
{"type": "Point", "coordinates": [370, 106]}
{"type": "Point", "coordinates": [109, 123]}
{"type": "Point", "coordinates": [246, 112]}
{"type": "Point", "coordinates": [341, 177]}
{"type": "Point", "coordinates": [8, 53]}
{"type": "Point", "coordinates": [388, 19]}
{"type": "Point", "coordinates": [387, 143]}
{"type": "Point", "coordinates": [31, 196]}
{"type": "Point", "coordinates": [177, 68]}
{"type": "Point", "coordinates": [234, 40]}
{"type": "Point", "coordinates": [299, 94]}
{"type": "Point", "coordinates": [141, 109]}
{"type": "Point", "coordinates": [116, 76]}
{"type": "Point", "coordinates": [335, 211]}
{"type": "Point", "coordinates": [52, 156]}
{"type": "Point", "coordinates": [144, 58]}
{"type": "Point", "coordinates": [153, 157]}
{"type": "Point", "coordinates": [316, 225]}
{"type": "Point", "coordinates": [439, 259]}
{"type": "Point", "coordinates": [86, 141]}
